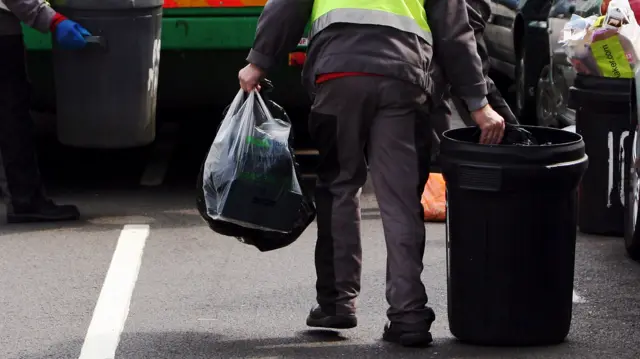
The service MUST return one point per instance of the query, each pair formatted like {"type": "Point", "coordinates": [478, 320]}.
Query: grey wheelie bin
{"type": "Point", "coordinates": [511, 236]}
{"type": "Point", "coordinates": [106, 92]}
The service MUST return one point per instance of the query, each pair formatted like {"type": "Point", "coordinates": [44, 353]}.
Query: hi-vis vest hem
{"type": "Point", "coordinates": [370, 17]}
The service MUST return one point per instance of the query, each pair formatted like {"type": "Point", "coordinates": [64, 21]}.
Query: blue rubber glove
{"type": "Point", "coordinates": [70, 35]}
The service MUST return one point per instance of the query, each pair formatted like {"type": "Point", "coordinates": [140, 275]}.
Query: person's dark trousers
{"type": "Point", "coordinates": [478, 12]}
{"type": "Point", "coordinates": [17, 146]}
{"type": "Point", "coordinates": [387, 116]}
{"type": "Point", "coordinates": [23, 189]}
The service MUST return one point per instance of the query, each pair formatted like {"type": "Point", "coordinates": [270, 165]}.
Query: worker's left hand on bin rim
{"type": "Point", "coordinates": [68, 34]}
{"type": "Point", "coordinates": [250, 77]}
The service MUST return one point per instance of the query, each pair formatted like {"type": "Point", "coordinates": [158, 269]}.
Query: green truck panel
{"type": "Point", "coordinates": [190, 29]}
{"type": "Point", "coordinates": [202, 51]}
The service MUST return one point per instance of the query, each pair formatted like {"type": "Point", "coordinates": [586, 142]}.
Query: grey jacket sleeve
{"type": "Point", "coordinates": [455, 48]}
{"type": "Point", "coordinates": [280, 27]}
{"type": "Point", "coordinates": [35, 13]}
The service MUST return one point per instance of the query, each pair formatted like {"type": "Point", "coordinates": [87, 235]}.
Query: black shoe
{"type": "Point", "coordinates": [320, 320]}
{"type": "Point", "coordinates": [43, 210]}
{"type": "Point", "coordinates": [408, 335]}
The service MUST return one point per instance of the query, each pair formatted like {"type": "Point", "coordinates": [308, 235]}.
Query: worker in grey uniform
{"type": "Point", "coordinates": [478, 12]}
{"type": "Point", "coordinates": [367, 69]}
{"type": "Point", "coordinates": [23, 189]}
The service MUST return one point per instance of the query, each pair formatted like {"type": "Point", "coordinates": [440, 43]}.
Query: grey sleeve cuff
{"type": "Point", "coordinates": [262, 61]}
{"type": "Point", "coordinates": [43, 20]}
{"type": "Point", "coordinates": [35, 13]}
{"type": "Point", "coordinates": [475, 103]}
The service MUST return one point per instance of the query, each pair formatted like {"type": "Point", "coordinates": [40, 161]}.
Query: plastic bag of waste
{"type": "Point", "coordinates": [249, 185]}
{"type": "Point", "coordinates": [604, 45]}
{"type": "Point", "coordinates": [513, 135]}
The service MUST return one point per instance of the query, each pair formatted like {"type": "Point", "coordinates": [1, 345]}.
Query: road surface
{"type": "Point", "coordinates": [141, 276]}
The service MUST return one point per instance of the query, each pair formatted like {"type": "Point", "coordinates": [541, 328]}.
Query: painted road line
{"type": "Point", "coordinates": [112, 309]}
{"type": "Point", "coordinates": [577, 298]}
{"type": "Point", "coordinates": [158, 165]}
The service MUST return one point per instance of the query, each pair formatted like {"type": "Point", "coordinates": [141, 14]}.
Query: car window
{"type": "Point", "coordinates": [583, 8]}
{"type": "Point", "coordinates": [586, 8]}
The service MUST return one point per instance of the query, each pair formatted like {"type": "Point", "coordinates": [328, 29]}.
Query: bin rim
{"type": "Point", "coordinates": [523, 148]}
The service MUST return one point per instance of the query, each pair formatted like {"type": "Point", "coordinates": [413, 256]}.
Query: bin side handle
{"type": "Point", "coordinates": [98, 41]}
{"type": "Point", "coordinates": [480, 178]}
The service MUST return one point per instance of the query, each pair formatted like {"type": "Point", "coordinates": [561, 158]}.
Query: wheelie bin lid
{"type": "Point", "coordinates": [601, 92]}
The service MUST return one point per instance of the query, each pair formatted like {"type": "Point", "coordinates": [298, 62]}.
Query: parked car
{"type": "Point", "coordinates": [518, 44]}
{"type": "Point", "coordinates": [557, 76]}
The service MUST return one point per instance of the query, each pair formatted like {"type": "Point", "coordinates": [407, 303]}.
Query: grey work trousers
{"type": "Point", "coordinates": [387, 116]}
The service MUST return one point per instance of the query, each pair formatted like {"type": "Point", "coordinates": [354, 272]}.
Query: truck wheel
{"type": "Point", "coordinates": [526, 84]}
{"type": "Point", "coordinates": [632, 227]}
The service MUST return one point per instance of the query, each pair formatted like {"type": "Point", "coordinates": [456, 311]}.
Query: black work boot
{"type": "Point", "coordinates": [319, 319]}
{"type": "Point", "coordinates": [408, 335]}
{"type": "Point", "coordinates": [41, 210]}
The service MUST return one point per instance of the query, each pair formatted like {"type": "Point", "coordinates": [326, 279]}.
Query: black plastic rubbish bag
{"type": "Point", "coordinates": [249, 185]}
{"type": "Point", "coordinates": [513, 135]}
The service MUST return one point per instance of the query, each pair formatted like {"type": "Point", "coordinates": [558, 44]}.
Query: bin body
{"type": "Point", "coordinates": [511, 232]}
{"type": "Point", "coordinates": [106, 93]}
{"type": "Point", "coordinates": [606, 115]}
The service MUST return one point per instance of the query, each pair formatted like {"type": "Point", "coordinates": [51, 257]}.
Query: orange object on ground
{"type": "Point", "coordinates": [434, 198]}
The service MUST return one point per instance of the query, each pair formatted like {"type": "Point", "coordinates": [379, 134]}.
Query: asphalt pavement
{"type": "Point", "coordinates": [142, 276]}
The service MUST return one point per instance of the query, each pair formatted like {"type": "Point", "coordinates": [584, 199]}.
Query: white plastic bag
{"type": "Point", "coordinates": [249, 177]}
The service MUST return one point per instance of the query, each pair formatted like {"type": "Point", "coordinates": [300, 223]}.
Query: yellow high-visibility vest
{"type": "Point", "coordinates": [405, 15]}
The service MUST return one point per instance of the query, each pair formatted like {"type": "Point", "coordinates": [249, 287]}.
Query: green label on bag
{"type": "Point", "coordinates": [258, 142]}
{"type": "Point", "coordinates": [611, 58]}
{"type": "Point", "coordinates": [257, 177]}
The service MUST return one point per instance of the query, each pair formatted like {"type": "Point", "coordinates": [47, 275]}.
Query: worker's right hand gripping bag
{"type": "Point", "coordinates": [249, 185]}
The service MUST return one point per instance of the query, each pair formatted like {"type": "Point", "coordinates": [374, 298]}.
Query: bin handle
{"type": "Point", "coordinates": [96, 41]}
{"type": "Point", "coordinates": [480, 177]}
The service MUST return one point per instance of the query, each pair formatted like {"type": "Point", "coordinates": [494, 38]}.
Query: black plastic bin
{"type": "Point", "coordinates": [511, 232]}
{"type": "Point", "coordinates": [106, 93]}
{"type": "Point", "coordinates": [606, 115]}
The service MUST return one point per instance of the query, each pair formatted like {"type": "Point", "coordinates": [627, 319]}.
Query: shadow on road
{"type": "Point", "coordinates": [305, 344]}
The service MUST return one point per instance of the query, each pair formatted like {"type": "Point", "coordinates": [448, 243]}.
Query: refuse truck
{"type": "Point", "coordinates": [203, 45]}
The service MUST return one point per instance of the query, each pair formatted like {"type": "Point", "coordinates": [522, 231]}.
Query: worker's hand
{"type": "Point", "coordinates": [250, 77]}
{"type": "Point", "coordinates": [70, 35]}
{"type": "Point", "coordinates": [491, 124]}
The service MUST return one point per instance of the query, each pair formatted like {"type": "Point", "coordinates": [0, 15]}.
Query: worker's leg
{"type": "Point", "coordinates": [399, 165]}
{"type": "Point", "coordinates": [338, 125]}
{"type": "Point", "coordinates": [16, 126]}
{"type": "Point", "coordinates": [27, 201]}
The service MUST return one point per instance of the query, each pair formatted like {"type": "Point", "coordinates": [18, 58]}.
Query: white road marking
{"type": "Point", "coordinates": [112, 309]}
{"type": "Point", "coordinates": [157, 167]}
{"type": "Point", "coordinates": [577, 298]}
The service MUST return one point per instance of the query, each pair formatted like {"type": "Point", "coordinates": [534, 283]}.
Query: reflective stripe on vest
{"type": "Point", "coordinates": [3, 6]}
{"type": "Point", "coordinates": [404, 15]}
